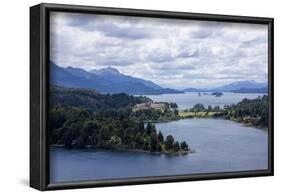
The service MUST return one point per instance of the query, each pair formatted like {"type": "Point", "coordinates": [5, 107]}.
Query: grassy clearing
{"type": "Point", "coordinates": [183, 114]}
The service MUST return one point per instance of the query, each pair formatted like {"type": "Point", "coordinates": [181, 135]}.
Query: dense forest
{"type": "Point", "coordinates": [81, 117]}
{"type": "Point", "coordinates": [253, 112]}
{"type": "Point", "coordinates": [91, 100]}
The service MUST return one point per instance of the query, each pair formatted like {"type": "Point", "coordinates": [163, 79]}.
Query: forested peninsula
{"type": "Point", "coordinates": [252, 112]}
{"type": "Point", "coordinates": [81, 118]}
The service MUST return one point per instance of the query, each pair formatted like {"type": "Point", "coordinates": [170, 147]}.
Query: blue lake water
{"type": "Point", "coordinates": [189, 99]}
{"type": "Point", "coordinates": [221, 146]}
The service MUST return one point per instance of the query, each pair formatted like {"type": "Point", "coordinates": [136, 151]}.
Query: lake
{"type": "Point", "coordinates": [221, 146]}
{"type": "Point", "coordinates": [189, 99]}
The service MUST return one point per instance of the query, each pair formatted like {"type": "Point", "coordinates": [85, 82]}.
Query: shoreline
{"type": "Point", "coordinates": [189, 151]}
{"type": "Point", "coordinates": [247, 124]}
{"type": "Point", "coordinates": [208, 117]}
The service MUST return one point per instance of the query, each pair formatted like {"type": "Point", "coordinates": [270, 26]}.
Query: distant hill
{"type": "Point", "coordinates": [251, 90]}
{"type": "Point", "coordinates": [192, 90]}
{"type": "Point", "coordinates": [248, 86]}
{"type": "Point", "coordinates": [106, 80]}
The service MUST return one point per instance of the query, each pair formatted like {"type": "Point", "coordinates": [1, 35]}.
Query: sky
{"type": "Point", "coordinates": [172, 53]}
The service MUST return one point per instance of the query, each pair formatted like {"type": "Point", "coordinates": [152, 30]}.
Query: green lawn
{"type": "Point", "coordinates": [197, 114]}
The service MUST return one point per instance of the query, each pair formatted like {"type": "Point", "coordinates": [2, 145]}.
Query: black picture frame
{"type": "Point", "coordinates": [39, 57]}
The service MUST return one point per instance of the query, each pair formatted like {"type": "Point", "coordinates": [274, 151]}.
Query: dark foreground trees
{"type": "Point", "coordinates": [74, 126]}
{"type": "Point", "coordinates": [108, 133]}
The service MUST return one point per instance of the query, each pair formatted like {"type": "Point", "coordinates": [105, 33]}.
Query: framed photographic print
{"type": "Point", "coordinates": [126, 96]}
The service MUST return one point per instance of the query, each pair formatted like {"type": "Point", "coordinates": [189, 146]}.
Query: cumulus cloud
{"type": "Point", "coordinates": [171, 53]}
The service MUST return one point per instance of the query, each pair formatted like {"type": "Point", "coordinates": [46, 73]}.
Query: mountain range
{"type": "Point", "coordinates": [248, 86]}
{"type": "Point", "coordinates": [110, 80]}
{"type": "Point", "coordinates": [106, 80]}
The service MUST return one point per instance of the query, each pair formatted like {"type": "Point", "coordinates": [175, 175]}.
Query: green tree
{"type": "Point", "coordinates": [160, 137]}
{"type": "Point", "coordinates": [173, 105]}
{"type": "Point", "coordinates": [169, 142]}
{"type": "Point", "coordinates": [141, 126]}
{"type": "Point", "coordinates": [216, 108]}
{"type": "Point", "coordinates": [184, 146]}
{"type": "Point", "coordinates": [153, 142]}
{"type": "Point", "coordinates": [149, 127]}
{"type": "Point", "coordinates": [198, 107]}
{"type": "Point", "coordinates": [177, 146]}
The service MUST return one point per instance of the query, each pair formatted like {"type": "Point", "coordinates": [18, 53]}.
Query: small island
{"type": "Point", "coordinates": [217, 94]}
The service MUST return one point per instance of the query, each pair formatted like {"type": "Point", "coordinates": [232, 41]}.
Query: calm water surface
{"type": "Point", "coordinates": [220, 145]}
{"type": "Point", "coordinates": [189, 99]}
